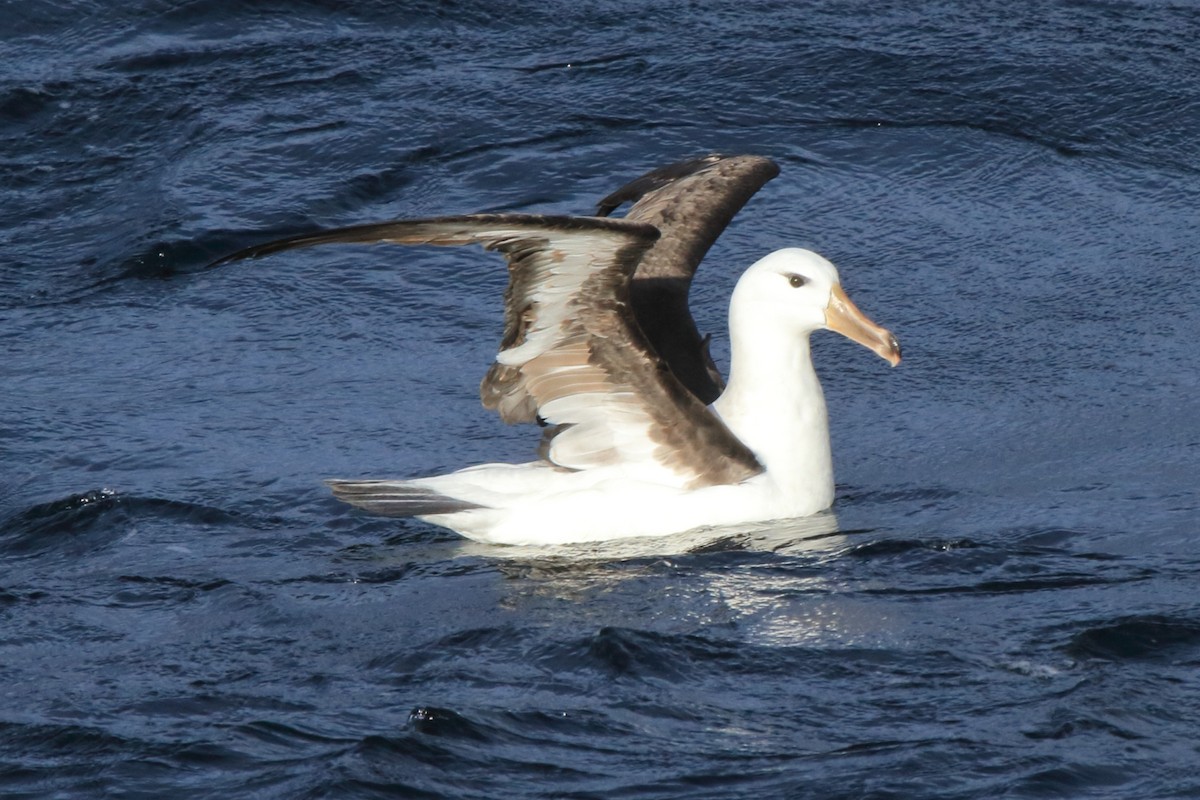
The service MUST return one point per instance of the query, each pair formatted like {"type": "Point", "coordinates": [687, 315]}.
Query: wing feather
{"type": "Point", "coordinates": [691, 203]}
{"type": "Point", "coordinates": [572, 353]}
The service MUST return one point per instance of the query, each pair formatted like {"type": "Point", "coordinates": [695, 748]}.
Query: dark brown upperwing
{"type": "Point", "coordinates": [691, 203]}
{"type": "Point", "coordinates": [431, 230]}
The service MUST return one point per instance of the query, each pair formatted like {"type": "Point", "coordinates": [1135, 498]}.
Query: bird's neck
{"type": "Point", "coordinates": [774, 404]}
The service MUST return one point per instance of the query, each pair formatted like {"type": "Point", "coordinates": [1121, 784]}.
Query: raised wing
{"type": "Point", "coordinates": [690, 203]}
{"type": "Point", "coordinates": [572, 354]}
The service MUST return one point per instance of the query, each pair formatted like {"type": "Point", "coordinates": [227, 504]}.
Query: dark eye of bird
{"type": "Point", "coordinates": [796, 281]}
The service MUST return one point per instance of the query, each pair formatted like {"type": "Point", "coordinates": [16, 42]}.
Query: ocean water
{"type": "Point", "coordinates": [1002, 603]}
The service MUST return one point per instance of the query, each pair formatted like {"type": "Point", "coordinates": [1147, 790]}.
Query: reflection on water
{"type": "Point", "coordinates": [735, 575]}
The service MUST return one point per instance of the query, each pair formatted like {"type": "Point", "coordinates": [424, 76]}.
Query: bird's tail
{"type": "Point", "coordinates": [397, 498]}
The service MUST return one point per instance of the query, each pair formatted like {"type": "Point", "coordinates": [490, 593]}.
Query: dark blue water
{"type": "Point", "coordinates": [1005, 604]}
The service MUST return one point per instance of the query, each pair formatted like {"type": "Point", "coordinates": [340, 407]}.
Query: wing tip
{"type": "Point", "coordinates": [657, 178]}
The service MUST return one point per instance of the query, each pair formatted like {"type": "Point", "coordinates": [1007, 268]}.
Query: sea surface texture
{"type": "Point", "coordinates": [1003, 603]}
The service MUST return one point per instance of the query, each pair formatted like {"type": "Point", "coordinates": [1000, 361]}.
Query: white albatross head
{"type": "Point", "coordinates": [799, 291]}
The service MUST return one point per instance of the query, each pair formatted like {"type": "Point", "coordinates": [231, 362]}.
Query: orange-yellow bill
{"type": "Point", "coordinates": [844, 317]}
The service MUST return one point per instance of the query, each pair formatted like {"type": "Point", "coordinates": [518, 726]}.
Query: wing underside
{"type": "Point", "coordinates": [572, 354]}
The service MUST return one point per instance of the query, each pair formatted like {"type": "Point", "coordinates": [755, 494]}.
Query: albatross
{"type": "Point", "coordinates": [640, 434]}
